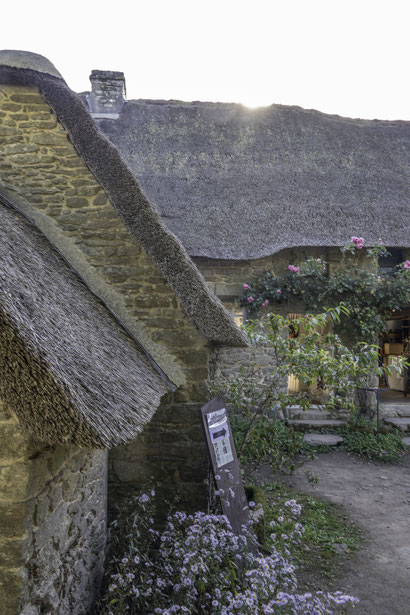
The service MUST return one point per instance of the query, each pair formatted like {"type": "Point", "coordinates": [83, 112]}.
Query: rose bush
{"type": "Point", "coordinates": [369, 298]}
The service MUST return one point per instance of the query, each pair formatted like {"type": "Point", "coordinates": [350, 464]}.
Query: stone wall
{"type": "Point", "coordinates": [169, 455]}
{"type": "Point", "coordinates": [14, 476]}
{"type": "Point", "coordinates": [53, 524]}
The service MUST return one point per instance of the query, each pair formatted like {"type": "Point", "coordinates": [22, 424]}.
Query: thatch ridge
{"type": "Point", "coordinates": [108, 166]}
{"type": "Point", "coordinates": [236, 183]}
{"type": "Point", "coordinates": [67, 369]}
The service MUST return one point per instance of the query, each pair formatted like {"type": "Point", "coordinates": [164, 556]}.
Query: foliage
{"type": "Point", "coordinates": [315, 357]}
{"type": "Point", "coordinates": [389, 449]}
{"type": "Point", "coordinates": [268, 439]}
{"type": "Point", "coordinates": [369, 298]}
{"type": "Point", "coordinates": [197, 565]}
{"type": "Point", "coordinates": [325, 528]}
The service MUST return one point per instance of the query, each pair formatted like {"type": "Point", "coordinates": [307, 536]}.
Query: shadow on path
{"type": "Point", "coordinates": [377, 499]}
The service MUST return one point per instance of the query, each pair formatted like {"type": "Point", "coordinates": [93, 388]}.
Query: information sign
{"type": "Point", "coordinates": [225, 464]}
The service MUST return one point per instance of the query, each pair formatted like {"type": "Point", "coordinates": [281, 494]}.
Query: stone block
{"type": "Point", "coordinates": [20, 148]}
{"type": "Point", "coordinates": [14, 479]}
{"type": "Point", "coordinates": [38, 124]}
{"type": "Point", "coordinates": [14, 442]}
{"type": "Point", "coordinates": [24, 158]}
{"type": "Point", "coordinates": [50, 138]}
{"type": "Point", "coordinates": [76, 201]}
{"type": "Point", "coordinates": [100, 199]}
{"type": "Point", "coordinates": [10, 592]}
{"type": "Point", "coordinates": [8, 131]}
{"type": "Point", "coordinates": [10, 553]}
{"type": "Point", "coordinates": [11, 106]}
{"type": "Point", "coordinates": [27, 98]}
{"type": "Point", "coordinates": [322, 439]}
{"type": "Point", "coordinates": [12, 515]}
{"type": "Point", "coordinates": [18, 116]}
{"type": "Point", "coordinates": [228, 290]}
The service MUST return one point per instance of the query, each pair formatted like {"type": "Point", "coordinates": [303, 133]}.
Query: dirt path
{"type": "Point", "coordinates": [377, 499]}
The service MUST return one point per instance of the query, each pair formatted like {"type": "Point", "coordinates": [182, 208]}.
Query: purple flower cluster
{"type": "Point", "coordinates": [198, 565]}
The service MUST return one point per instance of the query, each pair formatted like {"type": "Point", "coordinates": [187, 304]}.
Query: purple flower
{"type": "Point", "coordinates": [245, 286]}
{"type": "Point", "coordinates": [293, 269]}
{"type": "Point", "coordinates": [251, 504]}
{"type": "Point", "coordinates": [265, 303]}
{"type": "Point", "coordinates": [279, 292]}
{"type": "Point", "coordinates": [250, 299]}
{"type": "Point", "coordinates": [406, 265]}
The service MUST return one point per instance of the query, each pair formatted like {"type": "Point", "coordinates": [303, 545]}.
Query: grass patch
{"type": "Point", "coordinates": [328, 537]}
{"type": "Point", "coordinates": [389, 449]}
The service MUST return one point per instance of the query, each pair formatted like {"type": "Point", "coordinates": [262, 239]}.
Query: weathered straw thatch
{"type": "Point", "coordinates": [109, 168]}
{"type": "Point", "coordinates": [67, 369]}
{"type": "Point", "coordinates": [235, 183]}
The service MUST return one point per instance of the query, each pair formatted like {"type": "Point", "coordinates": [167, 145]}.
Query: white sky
{"type": "Point", "coordinates": [349, 57]}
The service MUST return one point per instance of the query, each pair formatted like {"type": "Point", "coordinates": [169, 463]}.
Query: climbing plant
{"type": "Point", "coordinates": [369, 297]}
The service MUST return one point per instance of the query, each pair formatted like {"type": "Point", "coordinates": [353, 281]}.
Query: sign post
{"type": "Point", "coordinates": [225, 464]}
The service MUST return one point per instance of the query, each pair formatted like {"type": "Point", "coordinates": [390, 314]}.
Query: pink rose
{"type": "Point", "coordinates": [293, 269]}
{"type": "Point", "coordinates": [250, 299]}
{"type": "Point", "coordinates": [265, 303]}
{"type": "Point", "coordinates": [279, 292]}
{"type": "Point", "coordinates": [406, 265]}
{"type": "Point", "coordinates": [245, 286]}
{"type": "Point", "coordinates": [358, 241]}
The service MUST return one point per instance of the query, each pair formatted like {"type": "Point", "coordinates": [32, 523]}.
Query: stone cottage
{"type": "Point", "coordinates": [106, 327]}
{"type": "Point", "coordinates": [249, 190]}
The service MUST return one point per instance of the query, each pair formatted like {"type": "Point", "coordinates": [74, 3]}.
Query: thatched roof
{"type": "Point", "coordinates": [235, 183]}
{"type": "Point", "coordinates": [66, 367]}
{"type": "Point", "coordinates": [141, 218]}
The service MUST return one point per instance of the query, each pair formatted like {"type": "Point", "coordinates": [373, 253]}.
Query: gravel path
{"type": "Point", "coordinates": [377, 499]}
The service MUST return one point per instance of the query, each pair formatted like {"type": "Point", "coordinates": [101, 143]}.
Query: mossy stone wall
{"type": "Point", "coordinates": [52, 524]}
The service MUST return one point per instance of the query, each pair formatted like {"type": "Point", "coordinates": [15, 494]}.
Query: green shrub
{"type": "Point", "coordinates": [267, 440]}
{"type": "Point", "coordinates": [389, 449]}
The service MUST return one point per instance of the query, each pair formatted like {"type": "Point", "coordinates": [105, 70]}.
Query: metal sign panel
{"type": "Point", "coordinates": [225, 464]}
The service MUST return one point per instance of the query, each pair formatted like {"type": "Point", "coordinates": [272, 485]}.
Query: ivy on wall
{"type": "Point", "coordinates": [369, 297]}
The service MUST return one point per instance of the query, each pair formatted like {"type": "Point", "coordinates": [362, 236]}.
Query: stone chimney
{"type": "Point", "coordinates": [107, 94]}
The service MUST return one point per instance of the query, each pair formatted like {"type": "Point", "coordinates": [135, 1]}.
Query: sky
{"type": "Point", "coordinates": [348, 57]}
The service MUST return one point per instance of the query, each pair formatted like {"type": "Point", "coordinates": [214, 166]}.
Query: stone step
{"type": "Point", "coordinates": [296, 413]}
{"type": "Point", "coordinates": [401, 423]}
{"type": "Point", "coordinates": [398, 410]}
{"type": "Point", "coordinates": [303, 424]}
{"type": "Point", "coordinates": [322, 439]}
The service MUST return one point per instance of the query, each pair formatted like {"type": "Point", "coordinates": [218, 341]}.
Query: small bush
{"type": "Point", "coordinates": [268, 440]}
{"type": "Point", "coordinates": [389, 449]}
